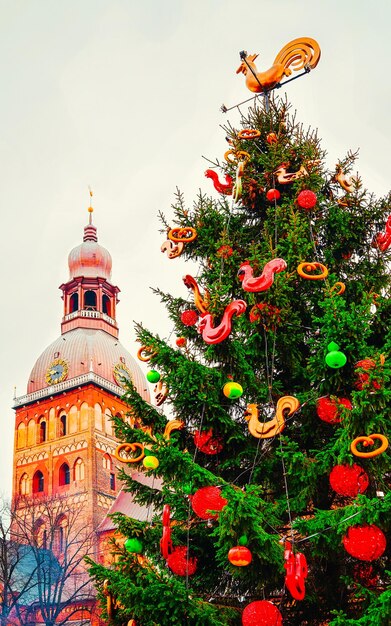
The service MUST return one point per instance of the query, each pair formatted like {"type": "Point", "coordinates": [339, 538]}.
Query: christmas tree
{"type": "Point", "coordinates": [272, 504]}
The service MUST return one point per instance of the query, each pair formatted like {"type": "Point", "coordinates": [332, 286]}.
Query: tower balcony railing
{"type": "Point", "coordinates": [91, 314]}
{"type": "Point", "coordinates": [78, 381]}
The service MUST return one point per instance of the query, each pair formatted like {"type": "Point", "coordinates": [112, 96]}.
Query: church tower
{"type": "Point", "coordinates": [64, 438]}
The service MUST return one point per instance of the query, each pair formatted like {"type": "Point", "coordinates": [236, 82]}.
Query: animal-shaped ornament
{"type": "Point", "coordinates": [265, 430]}
{"type": "Point", "coordinates": [301, 53]}
{"type": "Point", "coordinates": [215, 334]}
{"type": "Point", "coordinates": [348, 183]}
{"type": "Point", "coordinates": [172, 249]}
{"type": "Point", "coordinates": [383, 240]}
{"type": "Point", "coordinates": [265, 280]}
{"type": "Point", "coordinates": [225, 188]}
{"type": "Point", "coordinates": [201, 302]}
{"type": "Point", "coordinates": [284, 177]}
{"type": "Point", "coordinates": [160, 392]}
{"type": "Point", "coordinates": [296, 572]}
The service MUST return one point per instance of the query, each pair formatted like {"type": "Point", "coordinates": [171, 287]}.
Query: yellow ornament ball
{"type": "Point", "coordinates": [150, 462]}
{"type": "Point", "coordinates": [232, 390]}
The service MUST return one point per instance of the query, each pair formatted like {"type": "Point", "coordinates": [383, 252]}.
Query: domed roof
{"type": "Point", "coordinates": [89, 259]}
{"type": "Point", "coordinates": [86, 350]}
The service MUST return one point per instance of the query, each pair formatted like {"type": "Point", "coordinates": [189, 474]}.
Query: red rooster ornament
{"type": "Point", "coordinates": [212, 334]}
{"type": "Point", "coordinates": [265, 280]}
{"type": "Point", "coordinates": [225, 188]}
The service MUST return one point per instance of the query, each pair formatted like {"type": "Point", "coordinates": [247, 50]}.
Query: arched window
{"type": "Point", "coordinates": [38, 482]}
{"type": "Point", "coordinates": [98, 416]}
{"type": "Point", "coordinates": [60, 534]}
{"type": "Point", "coordinates": [90, 300]}
{"type": "Point", "coordinates": [42, 431]}
{"type": "Point", "coordinates": [24, 485]}
{"type": "Point", "coordinates": [107, 462]}
{"type": "Point", "coordinates": [63, 424]}
{"type": "Point", "coordinates": [78, 469]}
{"type": "Point", "coordinates": [21, 436]}
{"type": "Point", "coordinates": [74, 303]}
{"type": "Point", "coordinates": [40, 534]}
{"type": "Point", "coordinates": [64, 475]}
{"type": "Point", "coordinates": [106, 305]}
{"type": "Point", "coordinates": [31, 437]}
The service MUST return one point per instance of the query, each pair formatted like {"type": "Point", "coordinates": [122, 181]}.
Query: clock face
{"type": "Point", "coordinates": [57, 372]}
{"type": "Point", "coordinates": [121, 374]}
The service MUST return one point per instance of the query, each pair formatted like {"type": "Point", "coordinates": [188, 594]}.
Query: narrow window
{"type": "Point", "coordinates": [90, 300]}
{"type": "Point", "coordinates": [64, 477]}
{"type": "Point", "coordinates": [42, 431]}
{"type": "Point", "coordinates": [24, 485]}
{"type": "Point", "coordinates": [112, 481]}
{"type": "Point", "coordinates": [79, 469]}
{"type": "Point", "coordinates": [38, 482]}
{"type": "Point", "coordinates": [74, 303]}
{"type": "Point", "coordinates": [106, 305]}
{"type": "Point", "coordinates": [63, 425]}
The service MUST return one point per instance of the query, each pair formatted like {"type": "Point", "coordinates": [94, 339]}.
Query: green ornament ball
{"type": "Point", "coordinates": [150, 462]}
{"type": "Point", "coordinates": [334, 358]}
{"type": "Point", "coordinates": [133, 545]}
{"type": "Point", "coordinates": [153, 376]}
{"type": "Point", "coordinates": [243, 540]}
{"type": "Point", "coordinates": [232, 390]}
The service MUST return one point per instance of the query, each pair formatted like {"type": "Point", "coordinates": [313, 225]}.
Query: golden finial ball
{"type": "Point", "coordinates": [90, 209]}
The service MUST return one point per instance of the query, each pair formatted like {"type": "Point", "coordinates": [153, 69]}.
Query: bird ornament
{"type": "Point", "coordinates": [224, 188]}
{"type": "Point", "coordinates": [383, 240]}
{"type": "Point", "coordinates": [266, 430]}
{"type": "Point", "coordinates": [296, 572]}
{"type": "Point", "coordinates": [200, 301]}
{"type": "Point", "coordinates": [215, 334]}
{"type": "Point", "coordinates": [348, 183]}
{"type": "Point", "coordinates": [265, 280]}
{"type": "Point", "coordinates": [301, 53]}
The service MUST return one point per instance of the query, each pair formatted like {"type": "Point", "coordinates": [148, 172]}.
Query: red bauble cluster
{"type": "Point", "coordinates": [207, 442]}
{"type": "Point", "coordinates": [306, 199]}
{"type": "Point", "coordinates": [363, 378]}
{"type": "Point", "coordinates": [224, 252]}
{"type": "Point", "coordinates": [180, 564]}
{"type": "Point", "coordinates": [240, 556]}
{"type": "Point", "coordinates": [364, 573]}
{"type": "Point", "coordinates": [273, 195]}
{"type": "Point", "coordinates": [207, 499]}
{"type": "Point", "coordinates": [181, 342]}
{"type": "Point", "coordinates": [329, 410]}
{"type": "Point", "coordinates": [365, 542]}
{"type": "Point", "coordinates": [348, 480]}
{"type": "Point", "coordinates": [261, 613]}
{"type": "Point", "coordinates": [189, 317]}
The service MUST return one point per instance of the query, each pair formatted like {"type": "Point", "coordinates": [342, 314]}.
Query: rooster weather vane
{"type": "Point", "coordinates": [300, 54]}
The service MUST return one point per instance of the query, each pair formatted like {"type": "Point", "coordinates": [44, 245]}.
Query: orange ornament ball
{"type": "Point", "coordinates": [240, 556]}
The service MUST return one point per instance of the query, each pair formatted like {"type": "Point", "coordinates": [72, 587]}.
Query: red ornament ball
{"type": "Point", "coordinates": [261, 613]}
{"type": "Point", "coordinates": [189, 317]}
{"type": "Point", "coordinates": [181, 342]}
{"type": "Point", "coordinates": [365, 542]}
{"type": "Point", "coordinates": [207, 499]}
{"type": "Point", "coordinates": [273, 195]}
{"type": "Point", "coordinates": [306, 199]}
{"type": "Point", "coordinates": [348, 480]}
{"type": "Point", "coordinates": [240, 556]}
{"type": "Point", "coordinates": [207, 443]}
{"type": "Point", "coordinates": [180, 564]}
{"type": "Point", "coordinates": [329, 410]}
{"type": "Point", "coordinates": [224, 252]}
{"type": "Point", "coordinates": [363, 378]}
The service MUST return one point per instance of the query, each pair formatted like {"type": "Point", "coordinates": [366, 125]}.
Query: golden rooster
{"type": "Point", "coordinates": [296, 55]}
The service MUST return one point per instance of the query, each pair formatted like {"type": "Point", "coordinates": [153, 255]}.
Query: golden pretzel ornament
{"type": "Point", "coordinates": [233, 156]}
{"type": "Point", "coordinates": [369, 441]}
{"type": "Point", "coordinates": [305, 267]}
{"type": "Point", "coordinates": [129, 447]}
{"type": "Point", "coordinates": [249, 133]}
{"type": "Point", "coordinates": [145, 354]}
{"type": "Point", "coordinates": [182, 234]}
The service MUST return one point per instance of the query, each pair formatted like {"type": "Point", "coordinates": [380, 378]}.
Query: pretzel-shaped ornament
{"type": "Point", "coordinates": [305, 267]}
{"type": "Point", "coordinates": [182, 234]}
{"type": "Point", "coordinates": [369, 441]}
{"type": "Point", "coordinates": [129, 447]}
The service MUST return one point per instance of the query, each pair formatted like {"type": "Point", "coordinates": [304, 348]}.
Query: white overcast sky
{"type": "Point", "coordinates": [124, 95]}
